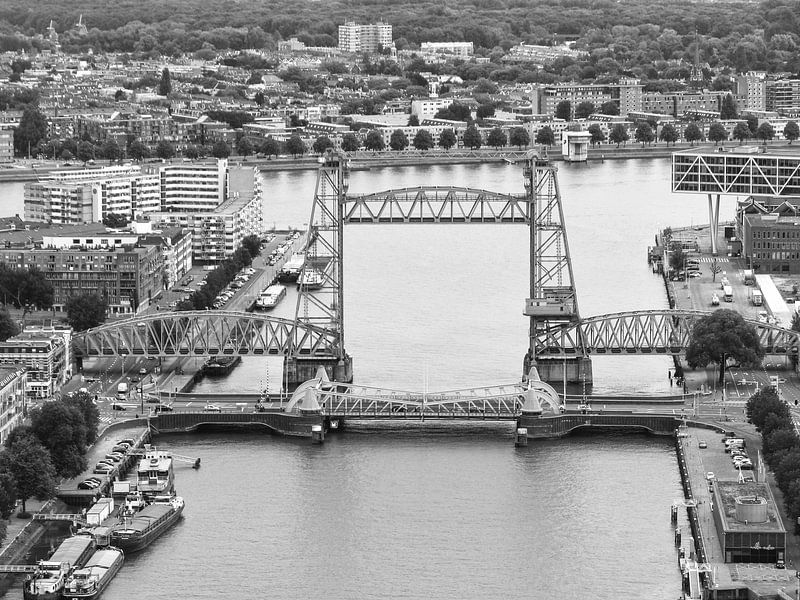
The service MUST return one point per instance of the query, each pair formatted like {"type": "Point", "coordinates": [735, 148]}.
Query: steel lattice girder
{"type": "Point", "coordinates": [432, 204]}
{"type": "Point", "coordinates": [204, 333]}
{"type": "Point", "coordinates": [647, 332]}
{"type": "Point", "coordinates": [734, 173]}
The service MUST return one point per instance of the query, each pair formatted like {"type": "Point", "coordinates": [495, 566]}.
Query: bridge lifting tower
{"type": "Point", "coordinates": [553, 301]}
{"type": "Point", "coordinates": [320, 301]}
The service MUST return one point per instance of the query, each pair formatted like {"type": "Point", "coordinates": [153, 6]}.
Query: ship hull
{"type": "Point", "coordinates": [135, 543]}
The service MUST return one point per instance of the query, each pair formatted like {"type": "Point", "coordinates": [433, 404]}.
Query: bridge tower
{"type": "Point", "coordinates": [553, 302]}
{"type": "Point", "coordinates": [320, 301]}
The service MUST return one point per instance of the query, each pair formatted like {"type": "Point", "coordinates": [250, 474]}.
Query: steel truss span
{"type": "Point", "coordinates": [500, 402]}
{"type": "Point", "coordinates": [646, 332]}
{"type": "Point", "coordinates": [432, 204]}
{"type": "Point", "coordinates": [205, 333]}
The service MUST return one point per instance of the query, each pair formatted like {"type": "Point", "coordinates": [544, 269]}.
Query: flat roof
{"type": "Point", "coordinates": [728, 491]}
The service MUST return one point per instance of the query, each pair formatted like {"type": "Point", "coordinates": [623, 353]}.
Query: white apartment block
{"type": "Point", "coordinates": [6, 144]}
{"type": "Point", "coordinates": [752, 86]}
{"type": "Point", "coordinates": [426, 108]}
{"type": "Point", "coordinates": [364, 38]}
{"type": "Point", "coordinates": [193, 187]}
{"type": "Point", "coordinates": [459, 49]}
{"type": "Point", "coordinates": [12, 399]}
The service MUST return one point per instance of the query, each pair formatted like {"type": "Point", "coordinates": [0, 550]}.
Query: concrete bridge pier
{"type": "Point", "coordinates": [302, 369]}
{"type": "Point", "coordinates": [551, 370]}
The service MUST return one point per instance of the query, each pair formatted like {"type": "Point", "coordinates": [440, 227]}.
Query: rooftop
{"type": "Point", "coordinates": [728, 491]}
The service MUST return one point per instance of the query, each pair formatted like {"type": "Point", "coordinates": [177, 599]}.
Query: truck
{"type": "Point", "coordinates": [122, 391]}
{"type": "Point", "coordinates": [728, 293]}
{"type": "Point", "coordinates": [757, 297]}
{"type": "Point", "coordinates": [749, 277]}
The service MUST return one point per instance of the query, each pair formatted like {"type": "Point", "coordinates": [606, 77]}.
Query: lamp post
{"type": "Point", "coordinates": [141, 400]}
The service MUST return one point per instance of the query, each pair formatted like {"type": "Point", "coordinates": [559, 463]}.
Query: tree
{"type": "Point", "coordinates": [766, 402]}
{"type": "Point", "coordinates": [518, 136]}
{"type": "Point", "coordinates": [545, 136]}
{"type": "Point", "coordinates": [8, 327]}
{"type": "Point", "coordinates": [692, 133]}
{"type": "Point", "coordinates": [259, 98]}
{"type": "Point", "coordinates": [619, 134]}
{"type": "Point", "coordinates": [484, 111]}
{"type": "Point", "coordinates": [220, 149]}
{"type": "Point", "coordinates": [677, 257]}
{"type": "Point", "coordinates": [668, 134]}
{"type": "Point", "coordinates": [454, 112]}
{"type": "Point", "coordinates": [85, 152]}
{"type": "Point", "coordinates": [165, 150]}
{"type": "Point", "coordinates": [25, 288]}
{"type": "Point", "coordinates": [598, 136]}
{"type": "Point", "coordinates": [374, 141]}
{"type": "Point", "coordinates": [765, 132]}
{"type": "Point", "coordinates": [62, 430]}
{"type": "Point", "coordinates": [192, 152]}
{"type": "Point", "coordinates": [165, 85]}
{"type": "Point", "coordinates": [32, 129]}
{"type": "Point", "coordinates": [413, 121]}
{"type": "Point", "coordinates": [584, 109]}
{"type": "Point", "coordinates": [644, 134]}
{"type": "Point", "coordinates": [564, 110]}
{"type": "Point", "coordinates": [497, 138]}
{"type": "Point", "coordinates": [138, 151]}
{"type": "Point", "coordinates": [609, 108]}
{"type": "Point", "coordinates": [398, 140]}
{"type": "Point", "coordinates": [350, 142]}
{"type": "Point", "coordinates": [84, 402]}
{"type": "Point", "coordinates": [472, 137]}
{"type": "Point", "coordinates": [295, 146]}
{"type": "Point", "coordinates": [111, 150]}
{"type": "Point", "coordinates": [423, 140]}
{"type": "Point", "coordinates": [722, 335]}
{"type": "Point", "coordinates": [244, 147]}
{"type": "Point", "coordinates": [270, 147]}
{"type": "Point", "coordinates": [8, 493]}
{"type": "Point", "coordinates": [792, 131]}
{"type": "Point", "coordinates": [447, 139]}
{"type": "Point", "coordinates": [115, 221]}
{"type": "Point", "coordinates": [715, 270]}
{"type": "Point", "coordinates": [752, 123]}
{"type": "Point", "coordinates": [741, 132]}
{"type": "Point", "coordinates": [85, 311]}
{"type": "Point", "coordinates": [717, 133]}
{"type": "Point", "coordinates": [29, 463]}
{"type": "Point", "coordinates": [727, 109]}
{"type": "Point", "coordinates": [321, 144]}
{"type": "Point", "coordinates": [779, 440]}
{"type": "Point", "coordinates": [252, 244]}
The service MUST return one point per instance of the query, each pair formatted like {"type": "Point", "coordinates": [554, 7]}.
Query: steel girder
{"type": "Point", "coordinates": [205, 333]}
{"type": "Point", "coordinates": [646, 332]}
{"type": "Point", "coordinates": [433, 204]}
{"type": "Point", "coordinates": [502, 402]}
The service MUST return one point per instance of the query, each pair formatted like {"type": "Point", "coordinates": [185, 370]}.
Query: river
{"type": "Point", "coordinates": [407, 514]}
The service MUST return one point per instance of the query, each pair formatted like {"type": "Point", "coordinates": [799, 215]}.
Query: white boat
{"type": "Point", "coordinates": [271, 296]}
{"type": "Point", "coordinates": [154, 474]}
{"type": "Point", "coordinates": [292, 268]}
{"type": "Point", "coordinates": [311, 279]}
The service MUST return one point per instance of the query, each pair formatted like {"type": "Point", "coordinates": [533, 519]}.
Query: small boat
{"type": "Point", "coordinates": [292, 268]}
{"type": "Point", "coordinates": [47, 582]}
{"type": "Point", "coordinates": [311, 279]}
{"type": "Point", "coordinates": [138, 532]}
{"type": "Point", "coordinates": [220, 365]}
{"type": "Point", "coordinates": [155, 475]}
{"type": "Point", "coordinates": [94, 577]}
{"type": "Point", "coordinates": [270, 297]}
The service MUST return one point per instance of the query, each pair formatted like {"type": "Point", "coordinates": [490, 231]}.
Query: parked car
{"type": "Point", "coordinates": [128, 441]}
{"type": "Point", "coordinates": [103, 468]}
{"type": "Point", "coordinates": [119, 448]}
{"type": "Point", "coordinates": [115, 458]}
{"type": "Point", "coordinates": [142, 371]}
{"type": "Point", "coordinates": [702, 444]}
{"type": "Point", "coordinates": [117, 406]}
{"type": "Point", "coordinates": [212, 408]}
{"type": "Point", "coordinates": [88, 484]}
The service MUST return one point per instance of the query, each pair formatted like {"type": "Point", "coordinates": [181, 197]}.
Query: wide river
{"type": "Point", "coordinates": [413, 514]}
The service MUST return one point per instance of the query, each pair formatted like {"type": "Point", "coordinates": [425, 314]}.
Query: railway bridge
{"type": "Point", "coordinates": [560, 341]}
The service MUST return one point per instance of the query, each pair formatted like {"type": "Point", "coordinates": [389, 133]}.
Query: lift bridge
{"type": "Point", "coordinates": [560, 342]}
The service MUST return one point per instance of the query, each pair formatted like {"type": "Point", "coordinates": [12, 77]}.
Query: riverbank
{"type": "Point", "coordinates": [23, 171]}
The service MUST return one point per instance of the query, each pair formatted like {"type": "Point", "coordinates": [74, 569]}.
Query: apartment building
{"type": "Point", "coordinates": [193, 187]}
{"type": "Point", "coordinates": [627, 94]}
{"type": "Point", "coordinates": [783, 95]}
{"type": "Point", "coordinates": [354, 37]}
{"type": "Point", "coordinates": [458, 49]}
{"type": "Point", "coordinates": [12, 399]}
{"type": "Point", "coordinates": [176, 249]}
{"type": "Point", "coordinates": [44, 359]}
{"type": "Point", "coordinates": [752, 88]}
{"type": "Point", "coordinates": [6, 143]}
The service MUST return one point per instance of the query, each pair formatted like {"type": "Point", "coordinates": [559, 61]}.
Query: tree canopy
{"type": "Point", "coordinates": [30, 465]}
{"type": "Point", "coordinates": [721, 336]}
{"type": "Point", "coordinates": [85, 311]}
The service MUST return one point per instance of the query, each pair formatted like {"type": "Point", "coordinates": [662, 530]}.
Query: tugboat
{"type": "Point", "coordinates": [138, 532]}
{"type": "Point", "coordinates": [47, 582]}
{"type": "Point", "coordinates": [94, 577]}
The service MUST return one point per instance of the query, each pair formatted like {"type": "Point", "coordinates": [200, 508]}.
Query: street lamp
{"type": "Point", "coordinates": [141, 400]}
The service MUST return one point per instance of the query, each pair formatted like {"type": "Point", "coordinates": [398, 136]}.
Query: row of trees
{"type": "Point", "coordinates": [780, 445]}
{"type": "Point", "coordinates": [221, 276]}
{"type": "Point", "coordinates": [53, 446]}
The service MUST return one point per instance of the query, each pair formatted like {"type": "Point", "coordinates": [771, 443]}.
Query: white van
{"type": "Point", "coordinates": [728, 292]}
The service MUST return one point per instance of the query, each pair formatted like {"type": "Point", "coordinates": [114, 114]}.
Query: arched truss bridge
{"type": "Point", "coordinates": [204, 333]}
{"type": "Point", "coordinates": [646, 332]}
{"type": "Point", "coordinates": [432, 204]}
{"type": "Point", "coordinates": [209, 333]}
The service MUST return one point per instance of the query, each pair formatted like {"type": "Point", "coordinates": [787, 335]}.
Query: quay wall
{"type": "Point", "coordinates": [562, 425]}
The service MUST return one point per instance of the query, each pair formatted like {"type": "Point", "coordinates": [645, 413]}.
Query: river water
{"type": "Point", "coordinates": [408, 514]}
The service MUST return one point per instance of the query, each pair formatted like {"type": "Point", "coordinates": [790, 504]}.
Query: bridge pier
{"type": "Point", "coordinates": [552, 370]}
{"type": "Point", "coordinates": [301, 369]}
